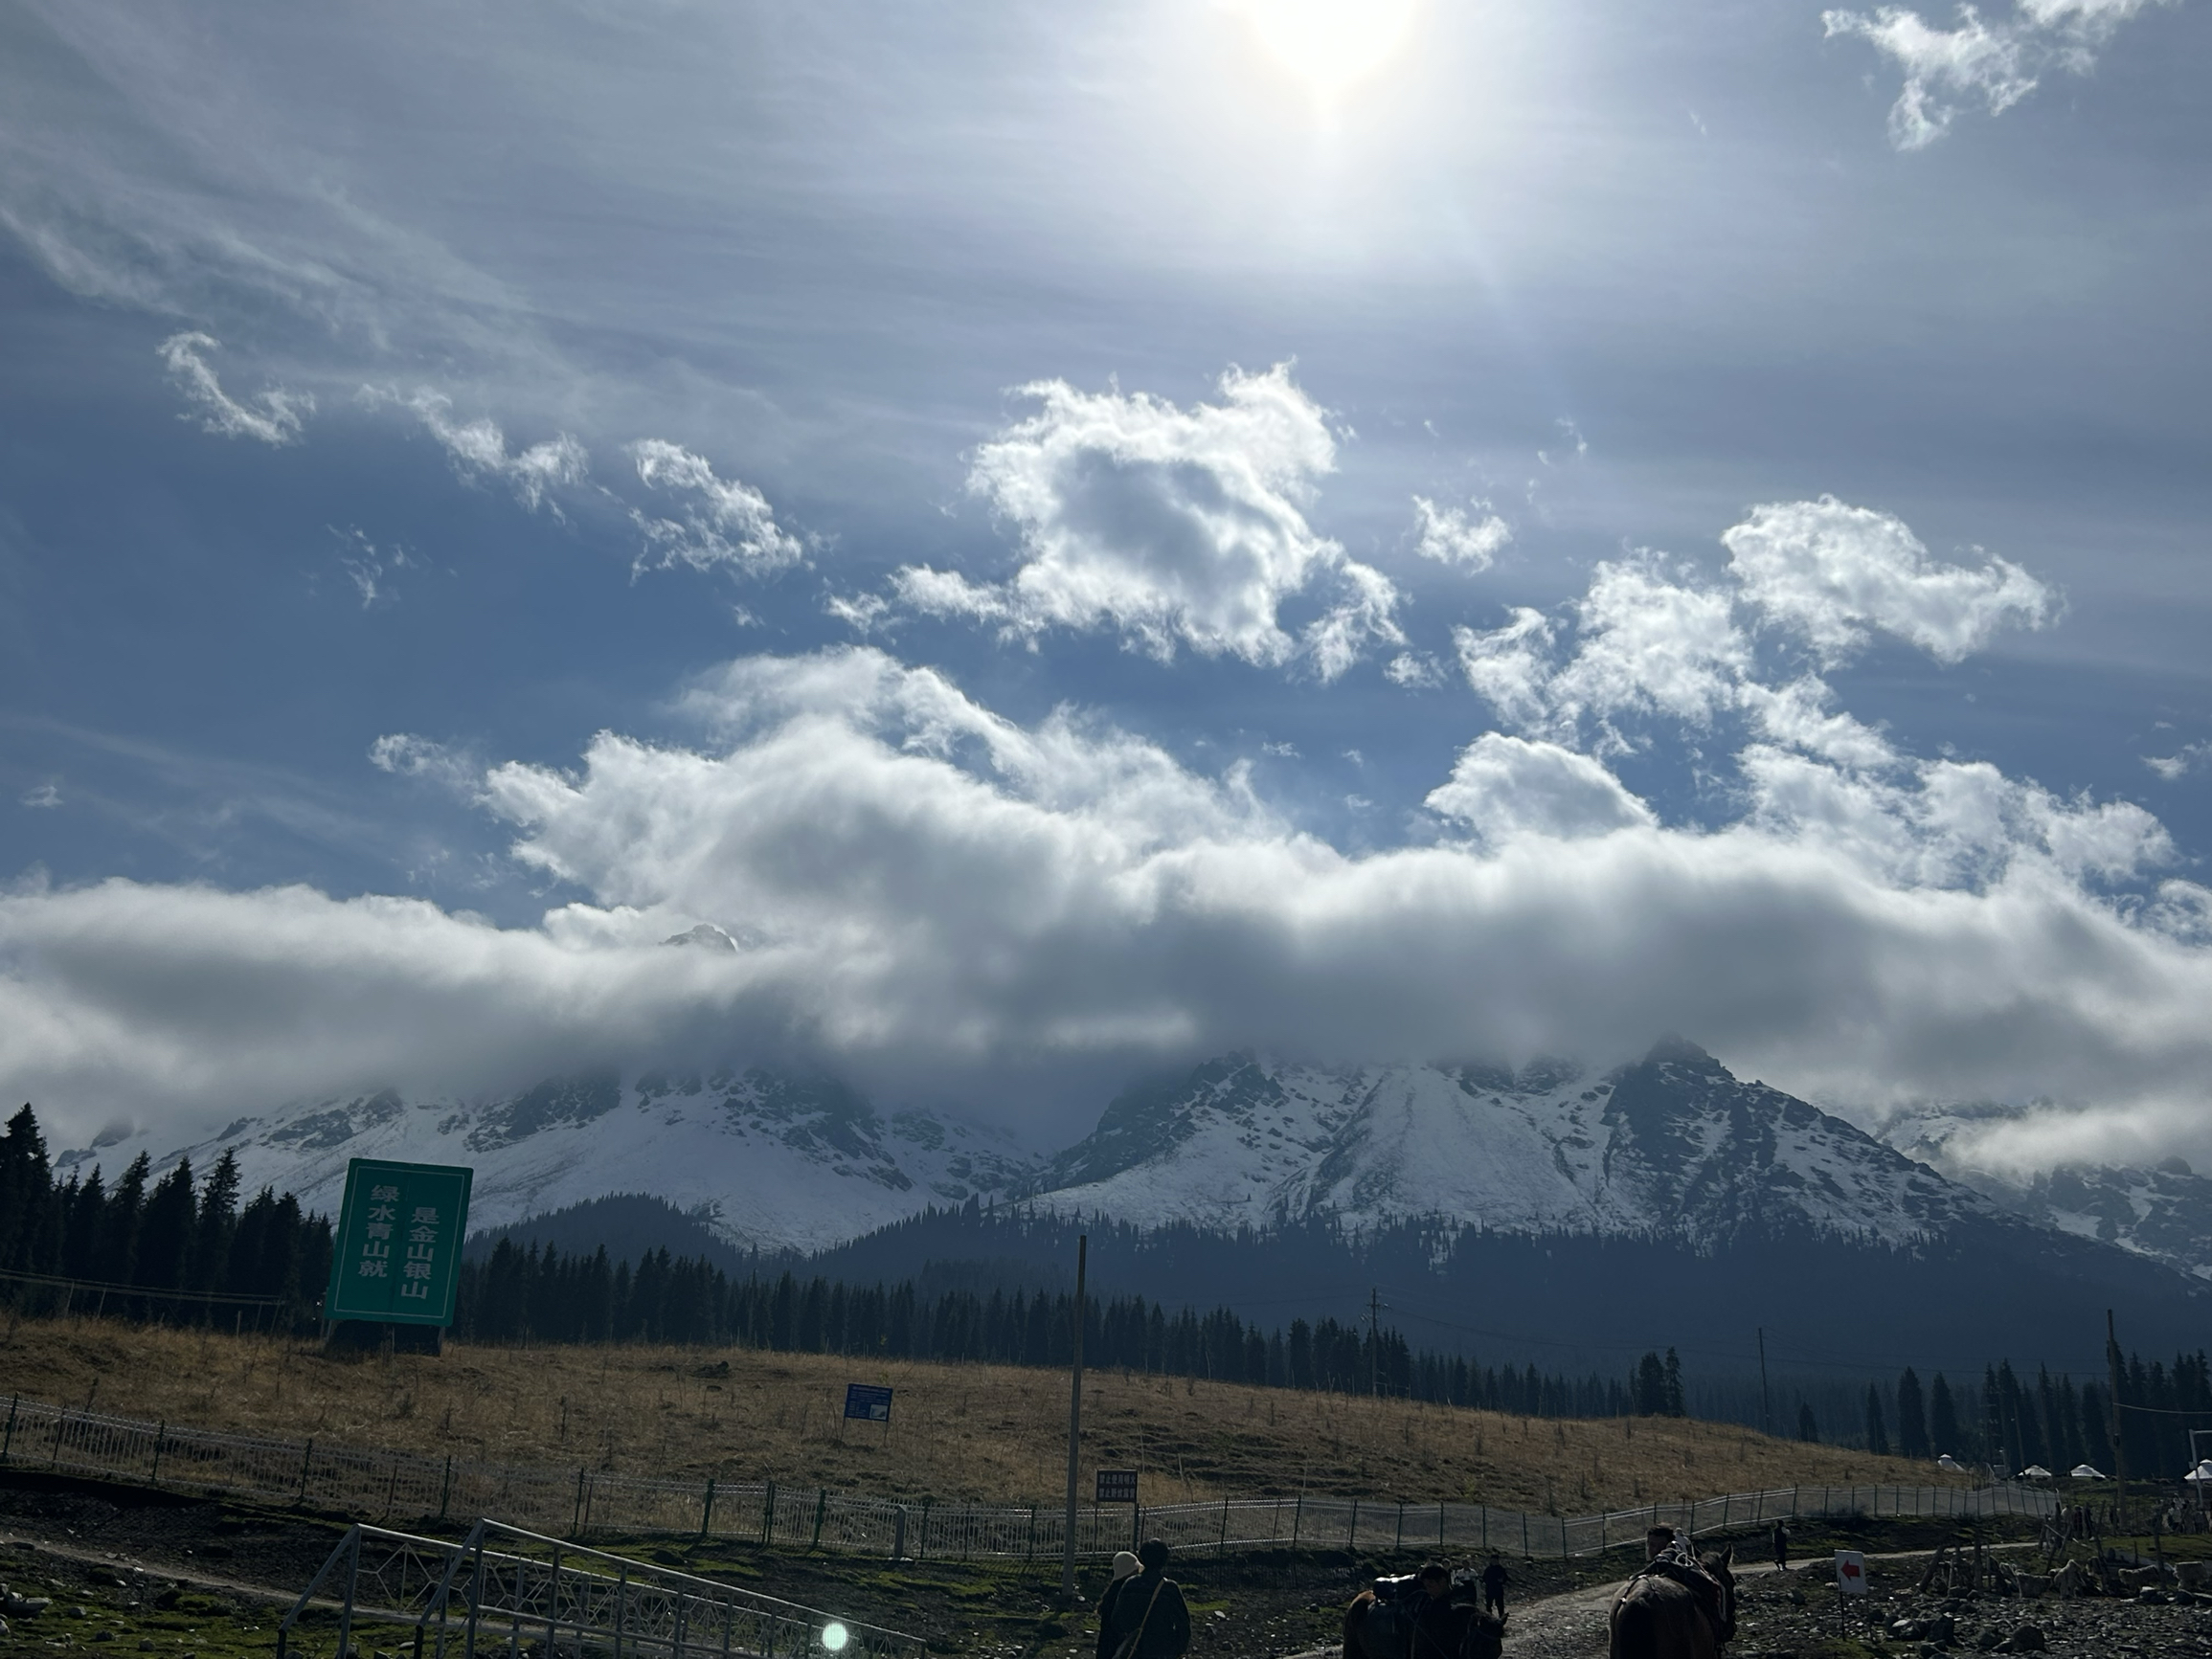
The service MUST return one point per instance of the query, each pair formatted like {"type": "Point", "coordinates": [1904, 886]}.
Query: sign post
{"type": "Point", "coordinates": [1118, 1486]}
{"type": "Point", "coordinates": [867, 1402]}
{"type": "Point", "coordinates": [397, 1259]}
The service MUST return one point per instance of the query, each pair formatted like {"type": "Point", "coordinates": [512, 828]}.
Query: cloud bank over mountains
{"type": "Point", "coordinates": [935, 900]}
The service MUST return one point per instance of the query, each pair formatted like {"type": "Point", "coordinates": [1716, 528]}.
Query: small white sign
{"type": "Point", "coordinates": [1851, 1572]}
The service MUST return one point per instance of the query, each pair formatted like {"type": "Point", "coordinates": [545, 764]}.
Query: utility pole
{"type": "Point", "coordinates": [1074, 1427]}
{"type": "Point", "coordinates": [1374, 1342]}
{"type": "Point", "coordinates": [1766, 1400]}
{"type": "Point", "coordinates": [2113, 1412]}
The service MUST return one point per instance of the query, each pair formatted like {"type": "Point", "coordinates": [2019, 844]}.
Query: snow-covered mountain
{"type": "Point", "coordinates": [771, 1163]}
{"type": "Point", "coordinates": [2163, 1213]}
{"type": "Point", "coordinates": [1671, 1144]}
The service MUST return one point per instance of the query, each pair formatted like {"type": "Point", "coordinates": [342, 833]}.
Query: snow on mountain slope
{"type": "Point", "coordinates": [2163, 1213]}
{"type": "Point", "coordinates": [1673, 1143]}
{"type": "Point", "coordinates": [775, 1163]}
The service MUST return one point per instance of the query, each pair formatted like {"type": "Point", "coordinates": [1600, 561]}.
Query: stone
{"type": "Point", "coordinates": [2029, 1639]}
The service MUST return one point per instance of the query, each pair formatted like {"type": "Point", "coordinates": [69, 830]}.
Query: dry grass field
{"type": "Point", "coordinates": [958, 1431]}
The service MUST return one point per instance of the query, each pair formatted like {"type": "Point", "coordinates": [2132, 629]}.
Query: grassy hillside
{"type": "Point", "coordinates": [958, 1431]}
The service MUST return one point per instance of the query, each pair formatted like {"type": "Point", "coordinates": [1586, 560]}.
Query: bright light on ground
{"type": "Point", "coordinates": [1330, 44]}
{"type": "Point", "coordinates": [834, 1636]}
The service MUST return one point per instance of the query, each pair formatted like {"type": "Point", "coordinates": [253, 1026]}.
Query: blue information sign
{"type": "Point", "coordinates": [868, 1403]}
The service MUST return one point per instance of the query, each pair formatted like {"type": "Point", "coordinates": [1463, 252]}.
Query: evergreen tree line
{"type": "Point", "coordinates": [154, 1249]}
{"type": "Point", "coordinates": [2015, 1424]}
{"type": "Point", "coordinates": [528, 1293]}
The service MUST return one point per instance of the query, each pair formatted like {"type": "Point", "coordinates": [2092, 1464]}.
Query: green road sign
{"type": "Point", "coordinates": [398, 1247]}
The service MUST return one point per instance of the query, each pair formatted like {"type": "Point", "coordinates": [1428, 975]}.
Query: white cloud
{"type": "Point", "coordinates": [366, 564]}
{"type": "Point", "coordinates": [2175, 767]}
{"type": "Point", "coordinates": [1510, 665]}
{"type": "Point", "coordinates": [1503, 787]}
{"type": "Point", "coordinates": [1179, 527]}
{"type": "Point", "coordinates": [1453, 536]}
{"type": "Point", "coordinates": [1995, 64]}
{"type": "Point", "coordinates": [1414, 670]}
{"type": "Point", "coordinates": [274, 415]}
{"type": "Point", "coordinates": [404, 754]}
{"type": "Point", "coordinates": [1651, 642]}
{"type": "Point", "coordinates": [1834, 573]}
{"type": "Point", "coordinates": [862, 612]}
{"type": "Point", "coordinates": [931, 896]}
{"type": "Point", "coordinates": [725, 522]}
{"type": "Point", "coordinates": [477, 450]}
{"type": "Point", "coordinates": [45, 797]}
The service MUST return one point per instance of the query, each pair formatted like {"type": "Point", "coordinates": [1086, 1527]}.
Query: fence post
{"type": "Point", "coordinates": [706, 1510]}
{"type": "Point", "coordinates": [1352, 1536]}
{"type": "Point", "coordinates": [622, 1607]}
{"type": "Point", "coordinates": [1524, 1534]}
{"type": "Point", "coordinates": [1030, 1550]}
{"type": "Point", "coordinates": [820, 1508]}
{"type": "Point", "coordinates": [446, 1486]}
{"type": "Point", "coordinates": [1221, 1547]}
{"type": "Point", "coordinates": [160, 1433]}
{"type": "Point", "coordinates": [768, 1514]}
{"type": "Point", "coordinates": [922, 1547]}
{"type": "Point", "coordinates": [306, 1463]}
{"type": "Point", "coordinates": [576, 1518]}
{"type": "Point", "coordinates": [1399, 1545]}
{"type": "Point", "coordinates": [1297, 1514]}
{"type": "Point", "coordinates": [7, 1445]}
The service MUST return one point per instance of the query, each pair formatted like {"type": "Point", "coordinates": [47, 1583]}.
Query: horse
{"type": "Point", "coordinates": [1385, 1630]}
{"type": "Point", "coordinates": [1664, 1613]}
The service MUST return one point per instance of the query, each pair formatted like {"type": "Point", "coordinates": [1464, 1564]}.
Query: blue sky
{"type": "Point", "coordinates": [1081, 537]}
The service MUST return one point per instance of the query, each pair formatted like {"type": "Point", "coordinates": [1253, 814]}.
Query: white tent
{"type": "Point", "coordinates": [2035, 1471]}
{"type": "Point", "coordinates": [1946, 1461]}
{"type": "Point", "coordinates": [2202, 1472]}
{"type": "Point", "coordinates": [2082, 1471]}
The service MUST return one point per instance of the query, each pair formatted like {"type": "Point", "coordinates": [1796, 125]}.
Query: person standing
{"type": "Point", "coordinates": [1434, 1615]}
{"type": "Point", "coordinates": [1124, 1569]}
{"type": "Point", "coordinates": [1148, 1618]}
{"type": "Point", "coordinates": [1781, 1548]}
{"type": "Point", "coordinates": [1494, 1582]}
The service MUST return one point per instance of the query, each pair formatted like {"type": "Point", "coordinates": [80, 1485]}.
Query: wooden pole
{"type": "Point", "coordinates": [1074, 1427]}
{"type": "Point", "coordinates": [2113, 1412]}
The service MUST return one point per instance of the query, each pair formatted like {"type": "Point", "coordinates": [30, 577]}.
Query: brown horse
{"type": "Point", "coordinates": [1658, 1615]}
{"type": "Point", "coordinates": [1383, 1630]}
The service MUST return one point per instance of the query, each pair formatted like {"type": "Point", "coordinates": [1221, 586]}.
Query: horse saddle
{"type": "Point", "coordinates": [1685, 1570]}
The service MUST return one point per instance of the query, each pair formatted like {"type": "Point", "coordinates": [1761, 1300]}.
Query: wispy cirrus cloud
{"type": "Point", "coordinates": [1181, 528]}
{"type": "Point", "coordinates": [479, 453]}
{"type": "Point", "coordinates": [273, 415]}
{"type": "Point", "coordinates": [1470, 537]}
{"type": "Point", "coordinates": [1977, 61]}
{"type": "Point", "coordinates": [724, 524]}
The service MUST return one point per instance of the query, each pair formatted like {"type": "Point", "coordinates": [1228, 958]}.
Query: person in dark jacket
{"type": "Point", "coordinates": [1435, 1621]}
{"type": "Point", "coordinates": [1124, 1569]}
{"type": "Point", "coordinates": [1494, 1582]}
{"type": "Point", "coordinates": [1147, 1618]}
{"type": "Point", "coordinates": [1781, 1548]}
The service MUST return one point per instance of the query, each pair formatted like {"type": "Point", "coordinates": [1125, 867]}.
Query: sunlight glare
{"type": "Point", "coordinates": [1331, 44]}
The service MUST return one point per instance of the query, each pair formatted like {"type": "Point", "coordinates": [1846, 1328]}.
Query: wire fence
{"type": "Point", "coordinates": [386, 1486]}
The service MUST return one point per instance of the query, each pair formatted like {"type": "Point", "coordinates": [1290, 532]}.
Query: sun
{"type": "Point", "coordinates": [1331, 44]}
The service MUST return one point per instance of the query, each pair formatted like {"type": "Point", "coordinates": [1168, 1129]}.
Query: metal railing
{"type": "Point", "coordinates": [408, 1486]}
{"type": "Point", "coordinates": [503, 1587]}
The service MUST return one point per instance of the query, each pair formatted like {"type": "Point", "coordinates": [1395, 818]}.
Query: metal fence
{"type": "Point", "coordinates": [501, 1586]}
{"type": "Point", "coordinates": [389, 1486]}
